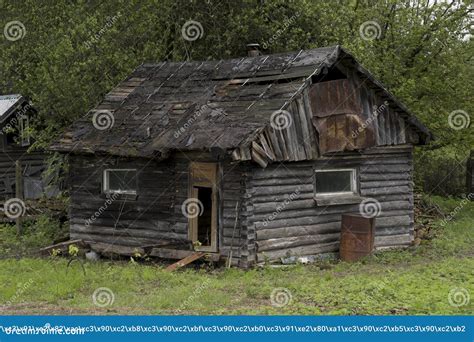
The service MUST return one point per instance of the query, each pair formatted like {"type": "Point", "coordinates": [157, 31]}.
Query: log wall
{"type": "Point", "coordinates": [29, 161]}
{"type": "Point", "coordinates": [286, 220]}
{"type": "Point", "coordinates": [155, 215]}
{"type": "Point", "coordinates": [277, 213]}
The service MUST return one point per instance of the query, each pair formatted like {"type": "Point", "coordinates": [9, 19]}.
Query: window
{"type": "Point", "coordinates": [121, 181]}
{"type": "Point", "coordinates": [24, 133]}
{"type": "Point", "coordinates": [336, 182]}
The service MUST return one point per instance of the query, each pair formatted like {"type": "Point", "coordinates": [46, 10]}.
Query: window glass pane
{"type": "Point", "coordinates": [333, 181]}
{"type": "Point", "coordinates": [123, 180]}
{"type": "Point", "coordinates": [24, 134]}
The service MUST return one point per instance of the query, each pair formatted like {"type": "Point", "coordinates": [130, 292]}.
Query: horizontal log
{"type": "Point", "coordinates": [384, 184]}
{"type": "Point", "coordinates": [273, 233]}
{"type": "Point", "coordinates": [295, 241]}
{"type": "Point", "coordinates": [393, 240]}
{"type": "Point", "coordinates": [119, 240]}
{"type": "Point", "coordinates": [298, 251]}
{"type": "Point", "coordinates": [371, 192]}
{"type": "Point", "coordinates": [376, 176]}
{"type": "Point", "coordinates": [287, 181]}
{"type": "Point", "coordinates": [318, 219]}
{"type": "Point", "coordinates": [155, 227]}
{"type": "Point", "coordinates": [104, 248]}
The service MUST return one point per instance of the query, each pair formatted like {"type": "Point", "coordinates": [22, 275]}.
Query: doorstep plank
{"type": "Point", "coordinates": [187, 260]}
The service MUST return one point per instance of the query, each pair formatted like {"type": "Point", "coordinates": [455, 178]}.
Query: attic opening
{"type": "Point", "coordinates": [329, 74]}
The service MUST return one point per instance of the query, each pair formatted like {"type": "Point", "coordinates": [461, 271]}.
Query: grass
{"type": "Point", "coordinates": [417, 280]}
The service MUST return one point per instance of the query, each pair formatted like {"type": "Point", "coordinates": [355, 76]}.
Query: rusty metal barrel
{"type": "Point", "coordinates": [357, 237]}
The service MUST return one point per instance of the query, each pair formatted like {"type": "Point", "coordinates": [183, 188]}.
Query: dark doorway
{"type": "Point", "coordinates": [203, 190]}
{"type": "Point", "coordinates": [204, 227]}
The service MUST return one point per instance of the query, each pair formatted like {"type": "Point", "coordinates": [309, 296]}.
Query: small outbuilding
{"type": "Point", "coordinates": [17, 163]}
{"type": "Point", "coordinates": [255, 157]}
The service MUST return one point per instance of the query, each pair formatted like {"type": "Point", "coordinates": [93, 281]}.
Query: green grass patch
{"type": "Point", "coordinates": [417, 280]}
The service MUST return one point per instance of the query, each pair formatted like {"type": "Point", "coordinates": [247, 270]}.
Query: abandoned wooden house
{"type": "Point", "coordinates": [255, 158]}
{"type": "Point", "coordinates": [16, 163]}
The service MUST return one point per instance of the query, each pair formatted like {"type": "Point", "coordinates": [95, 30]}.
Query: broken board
{"type": "Point", "coordinates": [183, 262]}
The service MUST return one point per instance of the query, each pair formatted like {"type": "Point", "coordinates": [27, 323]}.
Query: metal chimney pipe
{"type": "Point", "coordinates": [253, 50]}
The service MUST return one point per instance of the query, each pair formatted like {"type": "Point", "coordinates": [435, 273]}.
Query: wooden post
{"type": "Point", "coordinates": [18, 192]}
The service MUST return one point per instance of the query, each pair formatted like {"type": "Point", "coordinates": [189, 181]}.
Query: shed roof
{"type": "Point", "coordinates": [8, 104]}
{"type": "Point", "coordinates": [199, 105]}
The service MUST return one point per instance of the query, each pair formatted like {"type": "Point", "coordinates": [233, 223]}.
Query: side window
{"type": "Point", "coordinates": [24, 133]}
{"type": "Point", "coordinates": [120, 181]}
{"type": "Point", "coordinates": [335, 182]}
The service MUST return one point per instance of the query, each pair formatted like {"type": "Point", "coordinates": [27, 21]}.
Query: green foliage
{"type": "Point", "coordinates": [35, 234]}
{"type": "Point", "coordinates": [73, 250]}
{"type": "Point", "coordinates": [412, 281]}
{"type": "Point", "coordinates": [441, 172]}
{"type": "Point", "coordinates": [73, 54]}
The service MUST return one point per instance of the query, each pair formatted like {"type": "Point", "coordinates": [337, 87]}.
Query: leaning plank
{"type": "Point", "coordinates": [63, 245]}
{"type": "Point", "coordinates": [187, 260]}
{"type": "Point", "coordinates": [259, 159]}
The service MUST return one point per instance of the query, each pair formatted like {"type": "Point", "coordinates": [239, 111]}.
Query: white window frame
{"type": "Point", "coordinates": [106, 187]}
{"type": "Point", "coordinates": [353, 190]}
{"type": "Point", "coordinates": [24, 136]}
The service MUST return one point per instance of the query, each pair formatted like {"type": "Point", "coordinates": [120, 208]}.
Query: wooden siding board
{"type": "Point", "coordinates": [156, 214]}
{"type": "Point", "coordinates": [302, 227]}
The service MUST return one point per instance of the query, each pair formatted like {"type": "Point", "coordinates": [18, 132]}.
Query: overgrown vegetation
{"type": "Point", "coordinates": [417, 280]}
{"type": "Point", "coordinates": [35, 234]}
{"type": "Point", "coordinates": [75, 52]}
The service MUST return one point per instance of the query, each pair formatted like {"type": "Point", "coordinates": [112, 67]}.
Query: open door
{"type": "Point", "coordinates": [203, 191]}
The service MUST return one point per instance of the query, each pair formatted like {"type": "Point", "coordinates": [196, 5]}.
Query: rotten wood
{"type": "Point", "coordinates": [186, 261]}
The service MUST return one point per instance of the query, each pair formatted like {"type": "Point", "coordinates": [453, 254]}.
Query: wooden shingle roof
{"type": "Point", "coordinates": [196, 105]}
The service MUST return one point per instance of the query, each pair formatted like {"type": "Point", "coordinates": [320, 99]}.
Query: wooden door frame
{"type": "Point", "coordinates": [204, 174]}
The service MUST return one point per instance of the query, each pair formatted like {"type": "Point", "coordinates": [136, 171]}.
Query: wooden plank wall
{"type": "Point", "coordinates": [299, 227]}
{"type": "Point", "coordinates": [7, 168]}
{"type": "Point", "coordinates": [139, 222]}
{"type": "Point", "coordinates": [156, 214]}
{"type": "Point", "coordinates": [289, 136]}
{"type": "Point", "coordinates": [388, 121]}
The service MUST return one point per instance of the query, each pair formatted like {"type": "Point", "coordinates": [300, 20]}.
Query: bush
{"type": "Point", "coordinates": [441, 172]}
{"type": "Point", "coordinates": [35, 234]}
